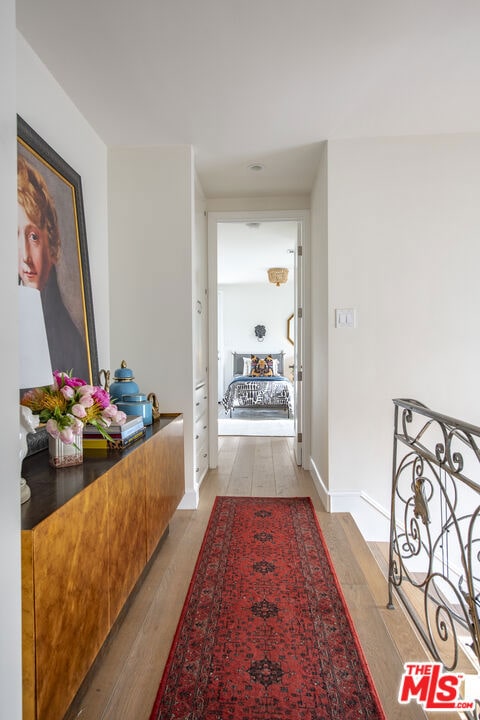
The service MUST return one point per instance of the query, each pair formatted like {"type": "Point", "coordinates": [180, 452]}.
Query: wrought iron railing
{"type": "Point", "coordinates": [434, 563]}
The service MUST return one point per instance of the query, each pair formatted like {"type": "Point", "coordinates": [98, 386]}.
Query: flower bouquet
{"type": "Point", "coordinates": [69, 404]}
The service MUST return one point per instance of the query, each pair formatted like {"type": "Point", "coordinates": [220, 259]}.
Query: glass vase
{"type": "Point", "coordinates": [62, 455]}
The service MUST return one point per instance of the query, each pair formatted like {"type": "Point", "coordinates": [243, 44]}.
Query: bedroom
{"type": "Point", "coordinates": [255, 319]}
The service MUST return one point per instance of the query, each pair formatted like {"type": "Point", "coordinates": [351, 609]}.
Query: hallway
{"type": "Point", "coordinates": [125, 679]}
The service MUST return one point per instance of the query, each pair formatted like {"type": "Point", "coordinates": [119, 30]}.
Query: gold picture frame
{"type": "Point", "coordinates": [291, 329]}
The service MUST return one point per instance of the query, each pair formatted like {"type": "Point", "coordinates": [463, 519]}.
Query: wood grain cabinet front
{"type": "Point", "coordinates": [164, 480]}
{"type": "Point", "coordinates": [127, 528]}
{"type": "Point", "coordinates": [81, 559]}
{"type": "Point", "coordinates": [65, 563]}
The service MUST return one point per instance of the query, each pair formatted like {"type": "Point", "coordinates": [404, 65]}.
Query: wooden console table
{"type": "Point", "coordinates": [88, 532]}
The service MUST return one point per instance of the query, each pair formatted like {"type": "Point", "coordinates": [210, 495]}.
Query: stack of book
{"type": "Point", "coordinates": [122, 435]}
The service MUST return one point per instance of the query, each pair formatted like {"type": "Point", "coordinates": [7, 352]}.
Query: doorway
{"type": "Point", "coordinates": [242, 247]}
{"type": "Point", "coordinates": [253, 311]}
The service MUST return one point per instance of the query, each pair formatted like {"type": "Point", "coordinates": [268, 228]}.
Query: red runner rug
{"type": "Point", "coordinates": [265, 633]}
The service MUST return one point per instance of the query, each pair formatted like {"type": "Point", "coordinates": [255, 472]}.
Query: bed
{"type": "Point", "coordinates": [260, 391]}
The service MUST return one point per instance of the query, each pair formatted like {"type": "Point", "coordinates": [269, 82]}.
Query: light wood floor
{"type": "Point", "coordinates": [125, 679]}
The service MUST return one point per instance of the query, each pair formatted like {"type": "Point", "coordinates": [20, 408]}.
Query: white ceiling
{"type": "Point", "coordinates": [244, 253]}
{"type": "Point", "coordinates": [261, 80]}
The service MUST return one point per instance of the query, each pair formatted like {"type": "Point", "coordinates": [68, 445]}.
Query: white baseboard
{"type": "Point", "coordinates": [372, 519]}
{"type": "Point", "coordinates": [318, 482]}
{"type": "Point", "coordinates": [189, 500]}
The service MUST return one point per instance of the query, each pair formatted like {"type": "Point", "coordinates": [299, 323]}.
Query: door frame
{"type": "Point", "coordinates": [214, 218]}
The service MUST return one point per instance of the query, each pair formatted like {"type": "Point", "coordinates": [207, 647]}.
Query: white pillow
{"type": "Point", "coordinates": [247, 366]}
{"type": "Point", "coordinates": [275, 366]}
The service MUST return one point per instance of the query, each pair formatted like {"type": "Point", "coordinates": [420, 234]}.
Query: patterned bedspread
{"type": "Point", "coordinates": [265, 392]}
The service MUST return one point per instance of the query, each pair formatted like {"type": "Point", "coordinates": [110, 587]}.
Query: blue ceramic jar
{"type": "Point", "coordinates": [126, 396]}
{"type": "Point", "coordinates": [137, 404]}
{"type": "Point", "coordinates": [123, 383]}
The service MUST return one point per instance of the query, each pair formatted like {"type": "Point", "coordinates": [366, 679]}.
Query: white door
{"type": "Point", "coordinates": [298, 345]}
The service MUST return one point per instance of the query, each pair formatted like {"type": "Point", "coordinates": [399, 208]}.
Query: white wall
{"type": "Point", "coordinates": [10, 598]}
{"type": "Point", "coordinates": [151, 210]}
{"type": "Point", "coordinates": [403, 229]}
{"type": "Point", "coordinates": [43, 104]}
{"type": "Point", "coordinates": [244, 307]}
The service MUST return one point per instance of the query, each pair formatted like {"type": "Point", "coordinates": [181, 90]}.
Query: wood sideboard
{"type": "Point", "coordinates": [88, 532]}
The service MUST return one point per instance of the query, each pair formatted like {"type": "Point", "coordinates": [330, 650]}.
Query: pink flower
{"type": "Point", "coordinates": [67, 392]}
{"type": "Point", "coordinates": [77, 426]}
{"type": "Point", "coordinates": [58, 379]}
{"type": "Point", "coordinates": [86, 390]}
{"type": "Point", "coordinates": [86, 401]}
{"type": "Point", "coordinates": [76, 382]}
{"type": "Point", "coordinates": [79, 411]}
{"type": "Point", "coordinates": [109, 411]}
{"type": "Point", "coordinates": [102, 397]}
{"type": "Point", "coordinates": [52, 428]}
{"type": "Point", "coordinates": [120, 417]}
{"type": "Point", "coordinates": [66, 435]}
{"type": "Point", "coordinates": [62, 379]}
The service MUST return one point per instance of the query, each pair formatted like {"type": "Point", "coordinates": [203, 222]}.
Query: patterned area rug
{"type": "Point", "coordinates": [265, 633]}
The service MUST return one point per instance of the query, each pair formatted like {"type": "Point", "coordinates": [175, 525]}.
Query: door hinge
{"type": "Point", "coordinates": [300, 376]}
{"type": "Point", "coordinates": [300, 313]}
{"type": "Point", "coordinates": [299, 437]}
{"type": "Point", "coordinates": [300, 250]}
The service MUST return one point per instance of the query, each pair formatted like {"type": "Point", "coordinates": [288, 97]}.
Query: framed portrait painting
{"type": "Point", "coordinates": [56, 321]}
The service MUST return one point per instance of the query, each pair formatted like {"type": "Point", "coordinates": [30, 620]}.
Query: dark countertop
{"type": "Point", "coordinates": [51, 488]}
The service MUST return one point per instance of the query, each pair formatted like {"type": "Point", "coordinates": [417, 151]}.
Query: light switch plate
{"type": "Point", "coordinates": [345, 317]}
